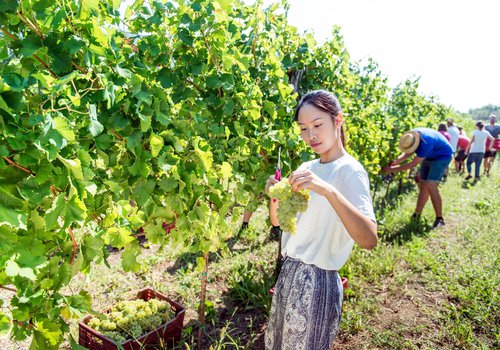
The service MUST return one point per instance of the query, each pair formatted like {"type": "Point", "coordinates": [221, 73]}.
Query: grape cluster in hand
{"type": "Point", "coordinates": [132, 318]}
{"type": "Point", "coordinates": [290, 204]}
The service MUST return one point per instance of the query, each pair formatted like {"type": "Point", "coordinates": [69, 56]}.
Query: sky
{"type": "Point", "coordinates": [453, 46]}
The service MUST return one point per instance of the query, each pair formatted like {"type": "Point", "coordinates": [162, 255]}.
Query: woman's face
{"type": "Point", "coordinates": [317, 129]}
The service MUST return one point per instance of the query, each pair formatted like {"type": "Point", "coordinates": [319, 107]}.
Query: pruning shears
{"type": "Point", "coordinates": [277, 174]}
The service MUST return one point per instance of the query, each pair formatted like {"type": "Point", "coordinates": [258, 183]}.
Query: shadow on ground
{"type": "Point", "coordinates": [406, 233]}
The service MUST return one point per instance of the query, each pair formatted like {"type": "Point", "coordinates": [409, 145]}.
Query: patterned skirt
{"type": "Point", "coordinates": [306, 308]}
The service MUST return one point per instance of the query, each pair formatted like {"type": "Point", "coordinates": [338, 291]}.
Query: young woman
{"type": "Point", "coordinates": [477, 148]}
{"type": "Point", "coordinates": [307, 301]}
{"type": "Point", "coordinates": [443, 130]}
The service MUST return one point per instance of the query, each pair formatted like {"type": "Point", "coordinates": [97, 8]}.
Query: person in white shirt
{"type": "Point", "coordinates": [476, 149]}
{"type": "Point", "coordinates": [454, 132]}
{"type": "Point", "coordinates": [307, 301]}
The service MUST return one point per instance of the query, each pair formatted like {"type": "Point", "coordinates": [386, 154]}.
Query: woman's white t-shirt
{"type": "Point", "coordinates": [479, 144]}
{"type": "Point", "coordinates": [321, 238]}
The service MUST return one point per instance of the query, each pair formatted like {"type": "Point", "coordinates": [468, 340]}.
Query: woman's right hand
{"type": "Point", "coordinates": [271, 181]}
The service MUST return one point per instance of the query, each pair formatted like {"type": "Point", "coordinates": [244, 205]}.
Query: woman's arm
{"type": "Point", "coordinates": [359, 226]}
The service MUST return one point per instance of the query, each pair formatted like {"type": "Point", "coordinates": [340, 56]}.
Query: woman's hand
{"type": "Point", "coordinates": [271, 181]}
{"type": "Point", "coordinates": [306, 179]}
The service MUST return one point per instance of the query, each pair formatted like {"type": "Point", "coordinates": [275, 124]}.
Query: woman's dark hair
{"type": "Point", "coordinates": [324, 101]}
{"type": "Point", "coordinates": [480, 125]}
{"type": "Point", "coordinates": [442, 127]}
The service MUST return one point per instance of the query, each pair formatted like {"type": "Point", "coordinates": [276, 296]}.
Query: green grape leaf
{"type": "Point", "coordinates": [61, 125]}
{"type": "Point", "coordinates": [4, 324]}
{"type": "Point", "coordinates": [200, 265]}
{"type": "Point", "coordinates": [95, 127]}
{"type": "Point", "coordinates": [118, 237]}
{"type": "Point", "coordinates": [76, 305]}
{"type": "Point", "coordinates": [74, 165]}
{"type": "Point", "coordinates": [143, 191]}
{"type": "Point", "coordinates": [4, 106]}
{"type": "Point", "coordinates": [226, 170]}
{"type": "Point", "coordinates": [87, 7]}
{"type": "Point", "coordinates": [98, 34]}
{"type": "Point", "coordinates": [155, 232]}
{"type": "Point", "coordinates": [168, 184]}
{"type": "Point", "coordinates": [12, 218]}
{"type": "Point", "coordinates": [92, 248]}
{"type": "Point", "coordinates": [30, 260]}
{"type": "Point", "coordinates": [156, 144]}
{"type": "Point", "coordinates": [50, 331]}
{"type": "Point", "coordinates": [129, 258]}
{"type": "Point", "coordinates": [58, 207]}
{"type": "Point", "coordinates": [166, 77]}
{"type": "Point", "coordinates": [9, 5]}
{"type": "Point", "coordinates": [71, 211]}
{"type": "Point", "coordinates": [204, 155]}
{"type": "Point", "coordinates": [12, 269]}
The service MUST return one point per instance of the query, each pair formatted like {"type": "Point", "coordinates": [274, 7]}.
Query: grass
{"type": "Point", "coordinates": [418, 289]}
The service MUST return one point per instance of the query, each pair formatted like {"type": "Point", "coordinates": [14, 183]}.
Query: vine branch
{"type": "Point", "coordinates": [14, 164]}
{"type": "Point", "coordinates": [55, 191]}
{"type": "Point", "coordinates": [9, 34]}
{"type": "Point", "coordinates": [195, 86]}
{"type": "Point", "coordinates": [31, 25]}
{"type": "Point", "coordinates": [8, 288]}
{"type": "Point", "coordinates": [46, 66]}
{"type": "Point", "coordinates": [79, 68]}
{"type": "Point", "coordinates": [116, 135]}
{"type": "Point", "coordinates": [75, 247]}
{"type": "Point", "coordinates": [212, 59]}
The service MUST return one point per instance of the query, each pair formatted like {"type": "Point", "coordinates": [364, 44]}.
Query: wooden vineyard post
{"type": "Point", "coordinates": [201, 314]}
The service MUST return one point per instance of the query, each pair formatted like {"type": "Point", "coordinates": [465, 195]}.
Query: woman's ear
{"type": "Point", "coordinates": [339, 119]}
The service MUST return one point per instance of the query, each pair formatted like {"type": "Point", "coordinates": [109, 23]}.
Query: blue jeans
{"type": "Point", "coordinates": [476, 158]}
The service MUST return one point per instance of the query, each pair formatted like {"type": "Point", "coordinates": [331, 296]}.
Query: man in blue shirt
{"type": "Point", "coordinates": [434, 153]}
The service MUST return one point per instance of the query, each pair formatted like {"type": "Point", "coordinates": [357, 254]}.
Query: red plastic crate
{"type": "Point", "coordinates": [165, 335]}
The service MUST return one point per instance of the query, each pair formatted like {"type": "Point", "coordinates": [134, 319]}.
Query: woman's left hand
{"type": "Point", "coordinates": [306, 179]}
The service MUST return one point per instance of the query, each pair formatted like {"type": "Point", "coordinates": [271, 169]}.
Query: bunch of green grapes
{"type": "Point", "coordinates": [132, 318]}
{"type": "Point", "coordinates": [290, 204]}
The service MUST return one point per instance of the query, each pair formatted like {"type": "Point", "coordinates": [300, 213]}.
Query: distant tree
{"type": "Point", "coordinates": [483, 113]}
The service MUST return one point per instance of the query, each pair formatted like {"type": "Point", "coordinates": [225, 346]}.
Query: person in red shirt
{"type": "Point", "coordinates": [463, 143]}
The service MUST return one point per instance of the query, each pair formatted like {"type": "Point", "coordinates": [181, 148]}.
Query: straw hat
{"type": "Point", "coordinates": [409, 142]}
